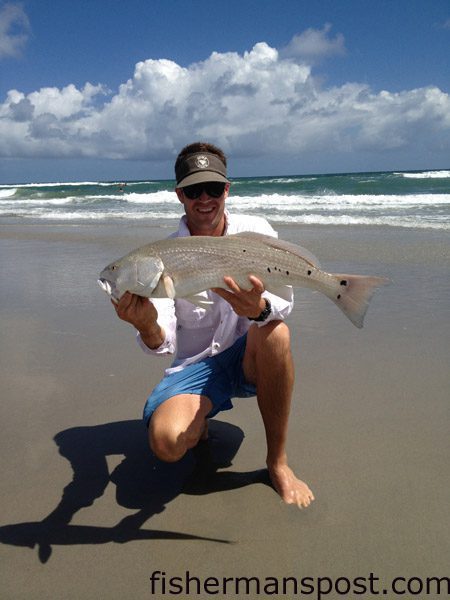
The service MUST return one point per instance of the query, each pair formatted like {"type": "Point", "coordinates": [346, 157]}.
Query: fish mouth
{"type": "Point", "coordinates": [105, 285]}
{"type": "Point", "coordinates": [109, 289]}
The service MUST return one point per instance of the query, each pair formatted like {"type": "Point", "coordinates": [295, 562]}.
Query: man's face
{"type": "Point", "coordinates": [205, 214]}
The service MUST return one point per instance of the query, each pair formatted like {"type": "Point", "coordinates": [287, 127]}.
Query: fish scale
{"type": "Point", "coordinates": [269, 264]}
{"type": "Point", "coordinates": [186, 267]}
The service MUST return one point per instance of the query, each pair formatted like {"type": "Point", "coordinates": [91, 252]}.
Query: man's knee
{"type": "Point", "coordinates": [275, 333]}
{"type": "Point", "coordinates": [170, 443]}
{"type": "Point", "coordinates": [165, 443]}
{"type": "Point", "coordinates": [269, 349]}
{"type": "Point", "coordinates": [278, 329]}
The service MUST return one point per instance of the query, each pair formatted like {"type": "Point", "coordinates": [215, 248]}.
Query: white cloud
{"type": "Point", "coordinates": [14, 30]}
{"type": "Point", "coordinates": [260, 103]}
{"type": "Point", "coordinates": [313, 45]}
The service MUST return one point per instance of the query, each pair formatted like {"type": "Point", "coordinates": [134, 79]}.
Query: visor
{"type": "Point", "coordinates": [200, 167]}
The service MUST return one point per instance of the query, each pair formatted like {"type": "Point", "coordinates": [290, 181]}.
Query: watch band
{"type": "Point", "coordinates": [264, 313]}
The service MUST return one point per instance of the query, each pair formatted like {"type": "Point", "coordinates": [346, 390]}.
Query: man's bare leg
{"type": "Point", "coordinates": [177, 425]}
{"type": "Point", "coordinates": [268, 363]}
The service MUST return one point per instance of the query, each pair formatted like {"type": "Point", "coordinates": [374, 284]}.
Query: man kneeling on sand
{"type": "Point", "coordinates": [238, 348]}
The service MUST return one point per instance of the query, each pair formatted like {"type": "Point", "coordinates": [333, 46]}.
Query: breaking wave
{"type": "Point", "coordinates": [7, 193]}
{"type": "Point", "coordinates": [402, 199]}
{"type": "Point", "coordinates": [426, 175]}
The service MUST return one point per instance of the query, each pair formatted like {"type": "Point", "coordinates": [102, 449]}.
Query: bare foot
{"type": "Point", "coordinates": [291, 489]}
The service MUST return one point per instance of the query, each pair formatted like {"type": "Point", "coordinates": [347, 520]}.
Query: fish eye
{"type": "Point", "coordinates": [114, 267]}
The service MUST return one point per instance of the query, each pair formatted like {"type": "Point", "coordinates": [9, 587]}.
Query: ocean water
{"type": "Point", "coordinates": [419, 199]}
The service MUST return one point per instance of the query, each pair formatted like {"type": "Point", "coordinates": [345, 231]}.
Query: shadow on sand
{"type": "Point", "coordinates": [143, 483]}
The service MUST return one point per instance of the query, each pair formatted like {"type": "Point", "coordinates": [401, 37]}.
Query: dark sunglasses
{"type": "Point", "coordinates": [215, 189]}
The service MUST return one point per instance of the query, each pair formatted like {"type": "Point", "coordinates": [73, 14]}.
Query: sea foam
{"type": "Point", "coordinates": [426, 175]}
{"type": "Point", "coordinates": [8, 193]}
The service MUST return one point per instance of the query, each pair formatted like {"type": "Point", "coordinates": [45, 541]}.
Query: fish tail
{"type": "Point", "coordinates": [354, 294]}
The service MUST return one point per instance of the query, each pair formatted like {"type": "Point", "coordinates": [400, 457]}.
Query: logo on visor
{"type": "Point", "coordinates": [202, 162]}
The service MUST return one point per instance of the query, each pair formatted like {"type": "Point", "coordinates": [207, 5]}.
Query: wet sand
{"type": "Point", "coordinates": [368, 431]}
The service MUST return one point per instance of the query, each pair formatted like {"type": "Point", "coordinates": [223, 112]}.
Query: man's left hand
{"type": "Point", "coordinates": [245, 302]}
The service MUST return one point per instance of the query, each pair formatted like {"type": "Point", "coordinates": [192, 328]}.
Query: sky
{"type": "Point", "coordinates": [113, 89]}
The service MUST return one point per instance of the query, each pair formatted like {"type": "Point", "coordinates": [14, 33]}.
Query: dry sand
{"type": "Point", "coordinates": [369, 431]}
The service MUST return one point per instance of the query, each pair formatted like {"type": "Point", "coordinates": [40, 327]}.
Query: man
{"type": "Point", "coordinates": [238, 348]}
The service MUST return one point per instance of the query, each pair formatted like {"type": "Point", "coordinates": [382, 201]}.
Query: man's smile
{"type": "Point", "coordinates": [206, 209]}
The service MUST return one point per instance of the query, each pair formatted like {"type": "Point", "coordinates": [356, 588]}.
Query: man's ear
{"type": "Point", "coordinates": [179, 193]}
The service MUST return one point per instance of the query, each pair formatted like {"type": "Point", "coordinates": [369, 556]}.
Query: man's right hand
{"type": "Point", "coordinates": [142, 314]}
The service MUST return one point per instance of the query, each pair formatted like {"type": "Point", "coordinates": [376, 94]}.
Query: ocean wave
{"type": "Point", "coordinates": [350, 199]}
{"type": "Point", "coordinates": [409, 222]}
{"type": "Point", "coordinates": [68, 184]}
{"type": "Point", "coordinates": [283, 180]}
{"type": "Point", "coordinates": [426, 175]}
{"type": "Point", "coordinates": [59, 184]}
{"type": "Point", "coordinates": [336, 202]}
{"type": "Point", "coordinates": [52, 215]}
{"type": "Point", "coordinates": [161, 197]}
{"type": "Point", "coordinates": [131, 183]}
{"type": "Point", "coordinates": [40, 202]}
{"type": "Point", "coordinates": [305, 219]}
{"type": "Point", "coordinates": [8, 193]}
{"type": "Point", "coordinates": [267, 202]}
{"type": "Point", "coordinates": [41, 199]}
{"type": "Point", "coordinates": [258, 181]}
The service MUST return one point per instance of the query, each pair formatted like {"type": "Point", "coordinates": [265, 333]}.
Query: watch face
{"type": "Point", "coordinates": [264, 313]}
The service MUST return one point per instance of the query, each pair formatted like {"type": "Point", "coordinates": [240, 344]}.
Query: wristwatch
{"type": "Point", "coordinates": [264, 313]}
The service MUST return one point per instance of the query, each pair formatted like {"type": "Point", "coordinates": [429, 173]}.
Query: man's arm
{"type": "Point", "coordinates": [142, 314]}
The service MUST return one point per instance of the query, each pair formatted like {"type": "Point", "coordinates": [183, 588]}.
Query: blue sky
{"type": "Point", "coordinates": [112, 89]}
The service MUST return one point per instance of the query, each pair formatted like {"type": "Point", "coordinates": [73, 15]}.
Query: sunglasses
{"type": "Point", "coordinates": [215, 189]}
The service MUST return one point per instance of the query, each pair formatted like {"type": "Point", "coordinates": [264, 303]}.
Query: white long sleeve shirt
{"type": "Point", "coordinates": [193, 333]}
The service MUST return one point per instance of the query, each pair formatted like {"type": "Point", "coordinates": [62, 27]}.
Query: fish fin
{"type": "Point", "coordinates": [148, 274]}
{"type": "Point", "coordinates": [281, 245]}
{"type": "Point", "coordinates": [282, 291]}
{"type": "Point", "coordinates": [200, 301]}
{"type": "Point", "coordinates": [355, 293]}
{"type": "Point", "coordinates": [168, 286]}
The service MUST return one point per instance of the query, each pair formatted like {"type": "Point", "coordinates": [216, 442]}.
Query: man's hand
{"type": "Point", "coordinates": [142, 314]}
{"type": "Point", "coordinates": [245, 303]}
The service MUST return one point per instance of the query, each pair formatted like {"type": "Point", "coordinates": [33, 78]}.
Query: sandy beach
{"type": "Point", "coordinates": [87, 512]}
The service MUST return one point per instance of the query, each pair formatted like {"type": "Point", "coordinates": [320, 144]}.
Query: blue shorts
{"type": "Point", "coordinates": [219, 378]}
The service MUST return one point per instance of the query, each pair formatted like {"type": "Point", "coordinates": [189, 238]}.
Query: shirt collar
{"type": "Point", "coordinates": [183, 229]}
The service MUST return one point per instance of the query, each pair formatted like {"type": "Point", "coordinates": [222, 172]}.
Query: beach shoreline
{"type": "Point", "coordinates": [397, 199]}
{"type": "Point", "coordinates": [368, 431]}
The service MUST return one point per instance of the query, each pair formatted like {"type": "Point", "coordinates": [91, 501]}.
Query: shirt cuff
{"type": "Point", "coordinates": [280, 308]}
{"type": "Point", "coordinates": [167, 347]}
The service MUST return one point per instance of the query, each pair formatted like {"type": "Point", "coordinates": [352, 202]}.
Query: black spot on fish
{"type": "Point", "coordinates": [309, 272]}
{"type": "Point", "coordinates": [268, 270]}
{"type": "Point", "coordinates": [287, 272]}
{"type": "Point", "coordinates": [244, 250]}
{"type": "Point", "coordinates": [344, 282]}
{"type": "Point", "coordinates": [339, 297]}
